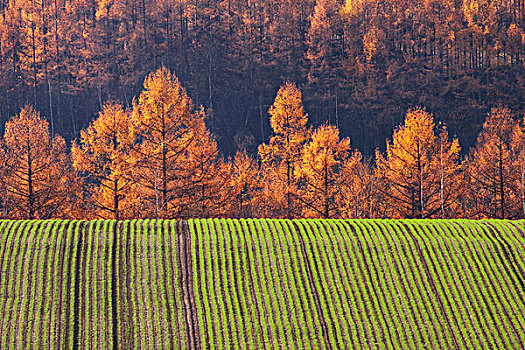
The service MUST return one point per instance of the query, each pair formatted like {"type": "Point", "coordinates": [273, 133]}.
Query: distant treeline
{"type": "Point", "coordinates": [361, 64]}
{"type": "Point", "coordinates": [158, 159]}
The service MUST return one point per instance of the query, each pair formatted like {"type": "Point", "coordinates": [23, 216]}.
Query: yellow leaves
{"type": "Point", "coordinates": [287, 114]}
{"type": "Point", "coordinates": [325, 150]}
{"type": "Point", "coordinates": [418, 164]}
{"type": "Point", "coordinates": [318, 171]}
{"type": "Point", "coordinates": [35, 168]}
{"type": "Point", "coordinates": [104, 154]}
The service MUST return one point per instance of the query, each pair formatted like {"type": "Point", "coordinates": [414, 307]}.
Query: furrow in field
{"type": "Point", "coordinates": [153, 288]}
{"type": "Point", "coordinates": [363, 333]}
{"type": "Point", "coordinates": [78, 306]}
{"type": "Point", "coordinates": [411, 262]}
{"type": "Point", "coordinates": [159, 279]}
{"type": "Point", "coordinates": [256, 287]}
{"type": "Point", "coordinates": [240, 274]}
{"type": "Point", "coordinates": [389, 301]}
{"type": "Point", "coordinates": [351, 241]}
{"type": "Point", "coordinates": [15, 292]}
{"type": "Point", "coordinates": [500, 280]}
{"type": "Point", "coordinates": [365, 252]}
{"type": "Point", "coordinates": [170, 249]}
{"type": "Point", "coordinates": [145, 301]}
{"type": "Point", "coordinates": [27, 310]}
{"type": "Point", "coordinates": [304, 257]}
{"type": "Point", "coordinates": [298, 325]}
{"type": "Point", "coordinates": [275, 290]}
{"type": "Point", "coordinates": [38, 329]}
{"type": "Point", "coordinates": [471, 284]}
{"type": "Point", "coordinates": [168, 292]}
{"type": "Point", "coordinates": [190, 243]}
{"type": "Point", "coordinates": [86, 285]}
{"type": "Point", "coordinates": [453, 282]}
{"type": "Point", "coordinates": [329, 266]}
{"type": "Point", "coordinates": [251, 288]}
{"type": "Point", "coordinates": [227, 296]}
{"type": "Point", "coordinates": [477, 256]}
{"type": "Point", "coordinates": [127, 308]}
{"type": "Point", "coordinates": [65, 323]}
{"type": "Point", "coordinates": [99, 273]}
{"type": "Point", "coordinates": [53, 339]}
{"type": "Point", "coordinates": [403, 307]}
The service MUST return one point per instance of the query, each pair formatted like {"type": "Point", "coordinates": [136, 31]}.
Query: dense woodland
{"type": "Point", "coordinates": [98, 120]}
{"type": "Point", "coordinates": [158, 159]}
{"type": "Point", "coordinates": [361, 64]}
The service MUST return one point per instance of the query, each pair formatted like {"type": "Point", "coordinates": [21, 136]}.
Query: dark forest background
{"type": "Point", "coordinates": [359, 63]}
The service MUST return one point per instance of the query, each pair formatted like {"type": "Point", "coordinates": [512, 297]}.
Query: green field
{"type": "Point", "coordinates": [262, 284]}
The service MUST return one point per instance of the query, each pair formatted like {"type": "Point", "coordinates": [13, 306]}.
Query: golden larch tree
{"type": "Point", "coordinates": [417, 175]}
{"type": "Point", "coordinates": [243, 182]}
{"type": "Point", "coordinates": [103, 155]}
{"type": "Point", "coordinates": [518, 148]}
{"type": "Point", "coordinates": [318, 172]}
{"type": "Point", "coordinates": [358, 197]}
{"type": "Point", "coordinates": [491, 168]}
{"type": "Point", "coordinates": [36, 171]}
{"type": "Point", "coordinates": [203, 179]}
{"type": "Point", "coordinates": [164, 126]}
{"type": "Point", "coordinates": [288, 121]}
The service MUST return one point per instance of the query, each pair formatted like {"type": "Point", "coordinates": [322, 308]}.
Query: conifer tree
{"type": "Point", "coordinates": [165, 127]}
{"type": "Point", "coordinates": [491, 167]}
{"type": "Point", "coordinates": [280, 155]}
{"type": "Point", "coordinates": [319, 172]}
{"type": "Point", "coordinates": [36, 171]}
{"type": "Point", "coordinates": [418, 172]}
{"type": "Point", "coordinates": [103, 154]}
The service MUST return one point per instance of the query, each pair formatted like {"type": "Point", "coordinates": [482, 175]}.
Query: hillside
{"type": "Point", "coordinates": [199, 284]}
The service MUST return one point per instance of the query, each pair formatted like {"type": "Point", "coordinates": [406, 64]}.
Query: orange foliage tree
{"type": "Point", "coordinates": [492, 175]}
{"type": "Point", "coordinates": [36, 172]}
{"type": "Point", "coordinates": [165, 127]}
{"type": "Point", "coordinates": [279, 157]}
{"type": "Point", "coordinates": [318, 172]}
{"type": "Point", "coordinates": [103, 155]}
{"type": "Point", "coordinates": [358, 197]}
{"type": "Point", "coordinates": [418, 174]}
{"type": "Point", "coordinates": [243, 183]}
{"type": "Point", "coordinates": [518, 147]}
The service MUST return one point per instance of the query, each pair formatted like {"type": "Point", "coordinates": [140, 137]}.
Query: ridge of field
{"type": "Point", "coordinates": [262, 284]}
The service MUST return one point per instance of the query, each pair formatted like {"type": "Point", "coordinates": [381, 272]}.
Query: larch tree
{"type": "Point", "coordinates": [103, 155]}
{"type": "Point", "coordinates": [518, 148]}
{"type": "Point", "coordinates": [288, 121]}
{"type": "Point", "coordinates": [164, 127]}
{"type": "Point", "coordinates": [318, 173]}
{"type": "Point", "coordinates": [417, 174]}
{"type": "Point", "coordinates": [244, 176]}
{"type": "Point", "coordinates": [201, 182]}
{"type": "Point", "coordinates": [358, 190]}
{"type": "Point", "coordinates": [36, 171]}
{"type": "Point", "coordinates": [491, 167]}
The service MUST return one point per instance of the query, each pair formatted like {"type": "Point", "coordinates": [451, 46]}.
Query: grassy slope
{"type": "Point", "coordinates": [273, 284]}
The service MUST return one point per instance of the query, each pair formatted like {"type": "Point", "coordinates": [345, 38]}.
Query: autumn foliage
{"type": "Point", "coordinates": [158, 158]}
